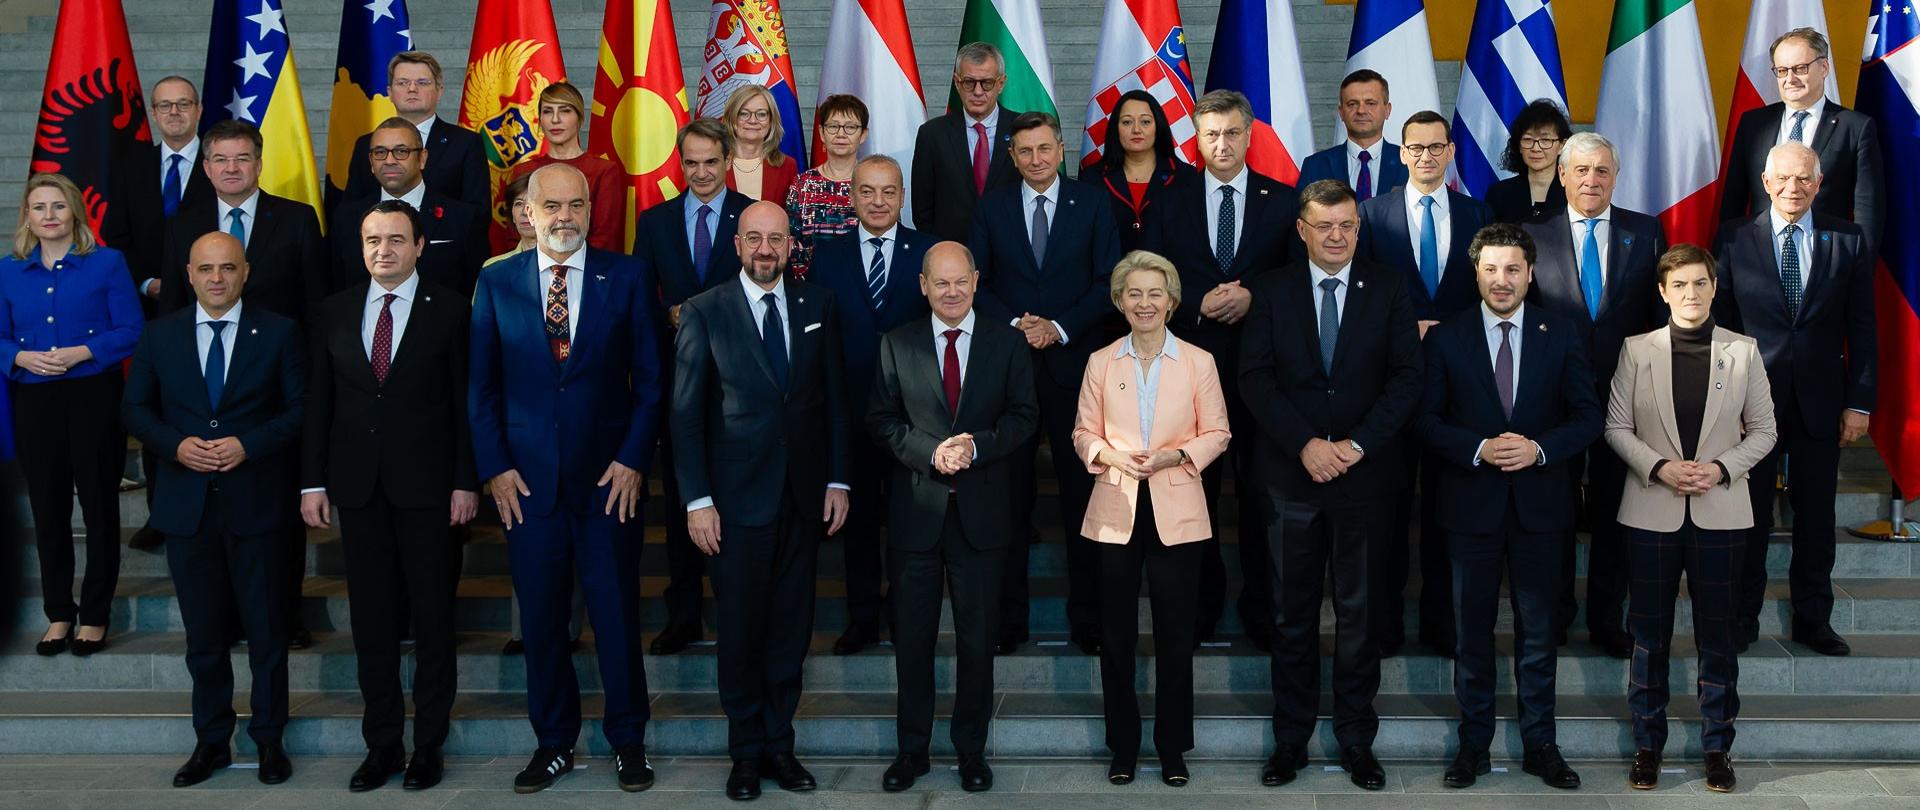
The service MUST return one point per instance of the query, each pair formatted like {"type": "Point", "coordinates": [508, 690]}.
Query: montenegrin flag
{"type": "Point", "coordinates": [1656, 107]}
{"type": "Point", "coordinates": [640, 102]}
{"type": "Point", "coordinates": [92, 108]}
{"type": "Point", "coordinates": [1890, 94]}
{"type": "Point", "coordinates": [1142, 47]}
{"type": "Point", "coordinates": [1255, 52]}
{"type": "Point", "coordinates": [251, 77]}
{"type": "Point", "coordinates": [1753, 86]}
{"type": "Point", "coordinates": [1390, 37]}
{"type": "Point", "coordinates": [873, 60]}
{"type": "Point", "coordinates": [1013, 26]}
{"type": "Point", "coordinates": [370, 34]}
{"type": "Point", "coordinates": [747, 44]}
{"type": "Point", "coordinates": [515, 54]}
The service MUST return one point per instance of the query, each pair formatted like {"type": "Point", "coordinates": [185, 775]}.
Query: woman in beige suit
{"type": "Point", "coordinates": [1691, 413]}
{"type": "Point", "coordinates": [1151, 418]}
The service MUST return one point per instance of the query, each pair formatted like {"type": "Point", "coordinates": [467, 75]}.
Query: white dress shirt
{"type": "Point", "coordinates": [1373, 164]}
{"type": "Point", "coordinates": [1442, 222]}
{"type": "Point", "coordinates": [402, 308]}
{"type": "Point", "coordinates": [1146, 385]}
{"type": "Point", "coordinates": [576, 282]}
{"type": "Point", "coordinates": [1814, 112]}
{"type": "Point", "coordinates": [1490, 324]}
{"type": "Point", "coordinates": [1802, 243]}
{"type": "Point", "coordinates": [991, 122]}
{"type": "Point", "coordinates": [417, 197]}
{"type": "Point", "coordinates": [888, 239]}
{"type": "Point", "coordinates": [963, 346]}
{"type": "Point", "coordinates": [1601, 233]}
{"type": "Point", "coordinates": [247, 219]}
{"type": "Point", "coordinates": [426, 127]}
{"type": "Point", "coordinates": [190, 162]}
{"type": "Point", "coordinates": [759, 308]}
{"type": "Point", "coordinates": [1213, 186]}
{"type": "Point", "coordinates": [1339, 292]}
{"type": "Point", "coordinates": [203, 334]}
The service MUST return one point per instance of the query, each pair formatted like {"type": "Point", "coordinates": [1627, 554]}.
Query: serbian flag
{"type": "Point", "coordinates": [92, 108]}
{"type": "Point", "coordinates": [251, 77]}
{"type": "Point", "coordinates": [1889, 88]}
{"type": "Point", "coordinates": [1256, 53]}
{"type": "Point", "coordinates": [515, 54]}
{"type": "Point", "coordinates": [1753, 86]}
{"type": "Point", "coordinates": [1142, 47]}
{"type": "Point", "coordinates": [370, 35]}
{"type": "Point", "coordinates": [640, 102]}
{"type": "Point", "coordinates": [873, 60]}
{"type": "Point", "coordinates": [747, 44]}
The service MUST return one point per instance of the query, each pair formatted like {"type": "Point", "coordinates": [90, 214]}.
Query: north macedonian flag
{"type": "Point", "coordinates": [92, 108]}
{"type": "Point", "coordinates": [515, 55]}
{"type": "Point", "coordinates": [640, 101]}
{"type": "Point", "coordinates": [251, 77]}
{"type": "Point", "coordinates": [370, 35]}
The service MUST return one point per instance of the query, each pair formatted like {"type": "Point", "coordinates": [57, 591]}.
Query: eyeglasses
{"type": "Point", "coordinates": [165, 107]}
{"type": "Point", "coordinates": [756, 115]}
{"type": "Point", "coordinates": [1802, 69]}
{"type": "Point", "coordinates": [1345, 228]}
{"type": "Point", "coordinates": [409, 84]}
{"type": "Point", "coordinates": [842, 129]}
{"type": "Point", "coordinates": [1420, 149]}
{"type": "Point", "coordinates": [380, 153]}
{"type": "Point", "coordinates": [1539, 144]}
{"type": "Point", "coordinates": [754, 240]}
{"type": "Point", "coordinates": [976, 85]}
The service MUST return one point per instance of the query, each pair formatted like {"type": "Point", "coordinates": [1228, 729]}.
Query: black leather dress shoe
{"type": "Point", "coordinates": [674, 639]}
{"type": "Point", "coordinates": [1822, 640]}
{"type": "Point", "coordinates": [1747, 630]}
{"type": "Point", "coordinates": [1088, 640]}
{"type": "Point", "coordinates": [1283, 766]}
{"type": "Point", "coordinates": [1120, 770]}
{"type": "Point", "coordinates": [1442, 644]}
{"type": "Point", "coordinates": [514, 646]}
{"type": "Point", "coordinates": [743, 782]}
{"type": "Point", "coordinates": [1719, 773]}
{"type": "Point", "coordinates": [1173, 770]}
{"type": "Point", "coordinates": [1007, 642]}
{"type": "Point", "coordinates": [380, 765]}
{"type": "Point", "coordinates": [1615, 644]}
{"type": "Point", "coordinates": [546, 767]}
{"type": "Point", "coordinates": [632, 770]}
{"type": "Point", "coordinates": [205, 760]}
{"type": "Point", "coordinates": [1261, 637]}
{"type": "Point", "coordinates": [1362, 769]}
{"type": "Point", "coordinates": [905, 769]}
{"type": "Point", "coordinates": [1644, 774]}
{"type": "Point", "coordinates": [425, 769]}
{"type": "Point", "coordinates": [1468, 766]}
{"type": "Point", "coordinates": [789, 773]}
{"type": "Point", "coordinates": [975, 776]}
{"type": "Point", "coordinates": [1552, 768]}
{"type": "Point", "coordinates": [858, 636]}
{"type": "Point", "coordinates": [274, 765]}
{"type": "Point", "coordinates": [146, 538]}
{"type": "Point", "coordinates": [300, 639]}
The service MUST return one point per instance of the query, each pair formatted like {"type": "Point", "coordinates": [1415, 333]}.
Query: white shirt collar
{"type": "Point", "coordinates": [249, 206]}
{"type": "Point", "coordinates": [888, 235]}
{"type": "Point", "coordinates": [191, 152]}
{"type": "Point", "coordinates": [1354, 149]}
{"type": "Point", "coordinates": [1239, 184]}
{"type": "Point", "coordinates": [404, 292]}
{"type": "Point", "coordinates": [1439, 195]}
{"type": "Point", "coordinates": [755, 293]}
{"type": "Point", "coordinates": [1813, 111]}
{"type": "Point", "coordinates": [1170, 348]}
{"type": "Point", "coordinates": [1345, 275]}
{"type": "Point", "coordinates": [1491, 322]}
{"type": "Point", "coordinates": [1027, 194]}
{"type": "Point", "coordinates": [417, 197]}
{"type": "Point", "coordinates": [576, 261]}
{"type": "Point", "coordinates": [200, 315]}
{"type": "Point", "coordinates": [940, 327]}
{"type": "Point", "coordinates": [1780, 222]}
{"type": "Point", "coordinates": [1574, 216]}
{"type": "Point", "coordinates": [426, 127]}
{"type": "Point", "coordinates": [991, 120]}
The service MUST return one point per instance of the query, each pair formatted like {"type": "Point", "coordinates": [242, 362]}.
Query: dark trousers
{"type": "Point", "coordinates": [1813, 470]}
{"type": "Point", "coordinates": [1172, 574]}
{"type": "Point", "coordinates": [1310, 541]}
{"type": "Point", "coordinates": [1059, 407]}
{"type": "Point", "coordinates": [1436, 564]}
{"type": "Point", "coordinates": [402, 562]}
{"type": "Point", "coordinates": [1255, 603]}
{"type": "Point", "coordinates": [1709, 560]}
{"type": "Point", "coordinates": [1531, 563]}
{"type": "Point", "coordinates": [1607, 557]}
{"type": "Point", "coordinates": [547, 553]}
{"type": "Point", "coordinates": [685, 563]}
{"type": "Point", "coordinates": [293, 563]}
{"type": "Point", "coordinates": [972, 576]}
{"type": "Point", "coordinates": [223, 579]}
{"type": "Point", "coordinates": [763, 610]}
{"type": "Point", "coordinates": [68, 436]}
{"type": "Point", "coordinates": [861, 542]}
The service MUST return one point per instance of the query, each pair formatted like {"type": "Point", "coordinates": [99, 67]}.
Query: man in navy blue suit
{"type": "Point", "coordinates": [1366, 161]}
{"type": "Point", "coordinates": [1423, 231]}
{"type": "Point", "coordinates": [1045, 247]}
{"type": "Point", "coordinates": [1509, 406]}
{"type": "Point", "coordinates": [220, 388]}
{"type": "Point", "coordinates": [873, 273]}
{"type": "Point", "coordinates": [564, 406]}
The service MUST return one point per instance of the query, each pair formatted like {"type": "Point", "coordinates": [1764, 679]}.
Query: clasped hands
{"type": "Point", "coordinates": [1327, 460]}
{"type": "Point", "coordinates": [53, 362]}
{"type": "Point", "coordinates": [954, 454]}
{"type": "Point", "coordinates": [1040, 332]}
{"type": "Point", "coordinates": [1227, 303]}
{"type": "Point", "coordinates": [1689, 477]}
{"type": "Point", "coordinates": [1510, 452]}
{"type": "Point", "coordinates": [1136, 465]}
{"type": "Point", "coordinates": [210, 455]}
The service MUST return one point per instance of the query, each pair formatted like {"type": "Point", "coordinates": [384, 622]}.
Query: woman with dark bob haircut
{"type": "Point", "coordinates": [1533, 155]}
{"type": "Point", "coordinates": [1138, 162]}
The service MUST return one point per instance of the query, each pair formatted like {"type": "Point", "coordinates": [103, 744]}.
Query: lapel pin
{"type": "Point", "coordinates": [1123, 386]}
{"type": "Point", "coordinates": [427, 298]}
{"type": "Point", "coordinates": [1628, 241]}
{"type": "Point", "coordinates": [799, 300]}
{"type": "Point", "coordinates": [599, 277]}
{"type": "Point", "coordinates": [1722, 365]}
{"type": "Point", "coordinates": [1543, 327]}
{"type": "Point", "coordinates": [1719, 385]}
{"type": "Point", "coordinates": [253, 331]}
{"type": "Point", "coordinates": [1824, 237]}
{"type": "Point", "coordinates": [1263, 192]}
{"type": "Point", "coordinates": [1359, 285]}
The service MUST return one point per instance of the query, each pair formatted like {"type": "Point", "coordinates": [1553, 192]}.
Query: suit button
{"type": "Point", "coordinates": [49, 319]}
{"type": "Point", "coordinates": [379, 396]}
{"type": "Point", "coordinates": [213, 423]}
{"type": "Point", "coordinates": [49, 290]}
{"type": "Point", "coordinates": [563, 389]}
{"type": "Point", "coordinates": [1136, 226]}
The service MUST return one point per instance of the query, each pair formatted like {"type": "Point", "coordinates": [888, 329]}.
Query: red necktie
{"type": "Point", "coordinates": [383, 341]}
{"type": "Point", "coordinates": [980, 159]}
{"type": "Point", "coordinates": [950, 372]}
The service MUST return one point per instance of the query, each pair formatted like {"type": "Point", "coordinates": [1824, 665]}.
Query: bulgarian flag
{"type": "Point", "coordinates": [1013, 26]}
{"type": "Point", "coordinates": [1754, 86]}
{"type": "Point", "coordinates": [515, 55]}
{"type": "Point", "coordinates": [1657, 108]}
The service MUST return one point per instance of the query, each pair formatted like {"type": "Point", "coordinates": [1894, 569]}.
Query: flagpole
{"type": "Point", "coordinates": [1896, 528]}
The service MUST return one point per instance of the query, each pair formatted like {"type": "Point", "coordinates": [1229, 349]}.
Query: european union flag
{"type": "Point", "coordinates": [371, 32]}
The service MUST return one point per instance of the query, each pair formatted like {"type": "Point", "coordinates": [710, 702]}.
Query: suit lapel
{"type": "Point", "coordinates": [1814, 275]}
{"type": "Point", "coordinates": [1530, 379]}
{"type": "Point", "coordinates": [901, 285]}
{"type": "Point", "coordinates": [191, 368]}
{"type": "Point", "coordinates": [1173, 377]}
{"type": "Point", "coordinates": [1619, 251]}
{"type": "Point", "coordinates": [1760, 240]}
{"type": "Point", "coordinates": [1829, 121]}
{"type": "Point", "coordinates": [957, 135]}
{"type": "Point", "coordinates": [803, 310]}
{"type": "Point", "coordinates": [736, 303]}
{"type": "Point", "coordinates": [1720, 373]}
{"type": "Point", "coordinates": [926, 367]}
{"type": "Point", "coordinates": [1662, 346]}
{"type": "Point", "coordinates": [1482, 362]}
{"type": "Point", "coordinates": [246, 352]}
{"type": "Point", "coordinates": [1354, 313]}
{"type": "Point", "coordinates": [593, 294]}
{"type": "Point", "coordinates": [346, 335]}
{"type": "Point", "coordinates": [260, 238]}
{"type": "Point", "coordinates": [533, 311]}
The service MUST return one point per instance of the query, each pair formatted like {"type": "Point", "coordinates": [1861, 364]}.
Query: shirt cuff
{"type": "Point", "coordinates": [311, 490]}
{"type": "Point", "coordinates": [699, 503]}
{"type": "Point", "coordinates": [1539, 455]}
{"type": "Point", "coordinates": [1476, 451]}
{"type": "Point", "coordinates": [146, 287]}
{"type": "Point", "coordinates": [840, 486]}
{"type": "Point", "coordinates": [1063, 332]}
{"type": "Point", "coordinates": [1861, 412]}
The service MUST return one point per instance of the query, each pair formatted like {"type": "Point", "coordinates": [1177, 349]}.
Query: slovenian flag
{"type": "Point", "coordinates": [1390, 38]}
{"type": "Point", "coordinates": [1513, 59]}
{"type": "Point", "coordinates": [1256, 53]}
{"type": "Point", "coordinates": [1889, 87]}
{"type": "Point", "coordinates": [251, 77]}
{"type": "Point", "coordinates": [747, 44]}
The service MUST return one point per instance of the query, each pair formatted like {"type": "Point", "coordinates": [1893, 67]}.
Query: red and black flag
{"type": "Point", "coordinates": [92, 109]}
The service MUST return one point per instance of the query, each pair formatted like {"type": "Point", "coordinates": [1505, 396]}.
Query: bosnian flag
{"type": "Point", "coordinates": [747, 44]}
{"type": "Point", "coordinates": [1889, 90]}
{"type": "Point", "coordinates": [1390, 38]}
{"type": "Point", "coordinates": [1657, 109]}
{"type": "Point", "coordinates": [873, 60]}
{"type": "Point", "coordinates": [1256, 53]}
{"type": "Point", "coordinates": [1142, 47]}
{"type": "Point", "coordinates": [1513, 59]}
{"type": "Point", "coordinates": [1754, 86]}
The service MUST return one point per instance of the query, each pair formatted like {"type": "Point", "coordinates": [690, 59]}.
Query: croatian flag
{"type": "Point", "coordinates": [1142, 47]}
{"type": "Point", "coordinates": [1256, 53]}
{"type": "Point", "coordinates": [1513, 59]}
{"type": "Point", "coordinates": [1889, 88]}
{"type": "Point", "coordinates": [1390, 38]}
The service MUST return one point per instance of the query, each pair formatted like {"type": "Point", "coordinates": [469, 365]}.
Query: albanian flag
{"type": "Point", "coordinates": [92, 109]}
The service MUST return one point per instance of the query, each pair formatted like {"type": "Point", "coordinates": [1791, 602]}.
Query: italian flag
{"type": "Point", "coordinates": [1013, 26]}
{"type": "Point", "coordinates": [1657, 108]}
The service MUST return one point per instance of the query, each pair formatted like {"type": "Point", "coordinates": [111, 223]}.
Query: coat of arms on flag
{"type": "Point", "coordinates": [1142, 47]}
{"type": "Point", "coordinates": [747, 44]}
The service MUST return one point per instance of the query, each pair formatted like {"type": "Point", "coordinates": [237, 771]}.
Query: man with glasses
{"type": "Point", "coordinates": [458, 169]}
{"type": "Point", "coordinates": [957, 157]}
{"type": "Point", "coordinates": [1852, 185]}
{"type": "Point", "coordinates": [455, 232]}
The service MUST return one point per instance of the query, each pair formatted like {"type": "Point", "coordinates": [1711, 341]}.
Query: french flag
{"type": "Point", "coordinates": [1256, 53]}
{"type": "Point", "coordinates": [1390, 38]}
{"type": "Point", "coordinates": [1889, 87]}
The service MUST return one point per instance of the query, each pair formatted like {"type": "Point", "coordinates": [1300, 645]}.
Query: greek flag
{"type": "Point", "coordinates": [1513, 59]}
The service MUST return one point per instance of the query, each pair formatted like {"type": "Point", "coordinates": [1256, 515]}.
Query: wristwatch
{"type": "Point", "coordinates": [1184, 458]}
{"type": "Point", "coordinates": [1356, 447]}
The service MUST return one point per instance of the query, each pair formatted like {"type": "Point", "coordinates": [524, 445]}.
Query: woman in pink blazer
{"type": "Point", "coordinates": [1151, 418]}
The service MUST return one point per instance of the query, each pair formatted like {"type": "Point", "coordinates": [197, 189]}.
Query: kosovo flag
{"type": "Point", "coordinates": [251, 77]}
{"type": "Point", "coordinates": [370, 35]}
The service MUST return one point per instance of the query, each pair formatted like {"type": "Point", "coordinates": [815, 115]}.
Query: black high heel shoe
{"type": "Point", "coordinates": [50, 647]}
{"type": "Point", "coordinates": [1173, 770]}
{"type": "Point", "coordinates": [1121, 771]}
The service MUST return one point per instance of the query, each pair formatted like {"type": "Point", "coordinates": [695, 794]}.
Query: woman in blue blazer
{"type": "Point", "coordinates": [68, 316]}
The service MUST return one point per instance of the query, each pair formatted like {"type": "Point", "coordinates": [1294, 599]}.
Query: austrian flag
{"type": "Point", "coordinates": [1142, 47]}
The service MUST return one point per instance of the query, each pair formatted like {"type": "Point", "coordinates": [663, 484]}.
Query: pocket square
{"type": "Point", "coordinates": [439, 241]}
{"type": "Point", "coordinates": [810, 327]}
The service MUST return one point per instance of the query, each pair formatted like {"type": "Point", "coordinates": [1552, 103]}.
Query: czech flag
{"type": "Point", "coordinates": [251, 77]}
{"type": "Point", "coordinates": [1889, 88]}
{"type": "Point", "coordinates": [1256, 53]}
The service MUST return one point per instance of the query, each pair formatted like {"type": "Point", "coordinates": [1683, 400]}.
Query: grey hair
{"type": "Point", "coordinates": [1816, 42]}
{"type": "Point", "coordinates": [1792, 148]}
{"type": "Point", "coordinates": [975, 53]}
{"type": "Point", "coordinates": [880, 160]}
{"type": "Point", "coordinates": [1589, 142]}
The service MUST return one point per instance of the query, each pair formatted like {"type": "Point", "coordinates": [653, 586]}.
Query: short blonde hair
{"type": "Point", "coordinates": [1143, 260]}
{"type": "Point", "coordinates": [24, 241]}
{"type": "Point", "coordinates": [775, 132]}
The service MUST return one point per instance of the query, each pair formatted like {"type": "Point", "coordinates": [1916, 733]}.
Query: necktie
{"type": "Point", "coordinates": [1790, 271]}
{"type": "Point", "coordinates": [236, 227]}
{"type": "Point", "coordinates": [1223, 240]}
{"type": "Point", "coordinates": [980, 158]}
{"type": "Point", "coordinates": [950, 371]}
{"type": "Point", "coordinates": [559, 339]}
{"type": "Point", "coordinates": [1503, 368]}
{"type": "Point", "coordinates": [1039, 230]}
{"type": "Point", "coordinates": [1799, 127]}
{"type": "Point", "coordinates": [1429, 248]}
{"type": "Point", "coordinates": [382, 357]}
{"type": "Point", "coordinates": [170, 187]}
{"type": "Point", "coordinates": [773, 337]}
{"type": "Point", "coordinates": [1363, 185]}
{"type": "Point", "coordinates": [1590, 269]}
{"type": "Point", "coordinates": [1329, 322]}
{"type": "Point", "coordinates": [702, 243]}
{"type": "Point", "coordinates": [216, 364]}
{"type": "Point", "coordinates": [877, 274]}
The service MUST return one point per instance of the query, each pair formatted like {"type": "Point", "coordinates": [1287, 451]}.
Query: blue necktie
{"type": "Point", "coordinates": [1329, 322]}
{"type": "Point", "coordinates": [1429, 248]}
{"type": "Point", "coordinates": [1790, 280]}
{"type": "Point", "coordinates": [170, 187]}
{"type": "Point", "coordinates": [773, 337]}
{"type": "Point", "coordinates": [1799, 127]}
{"type": "Point", "coordinates": [877, 274]}
{"type": "Point", "coordinates": [1223, 241]}
{"type": "Point", "coordinates": [702, 244]}
{"type": "Point", "coordinates": [1363, 185]}
{"type": "Point", "coordinates": [1590, 269]}
{"type": "Point", "coordinates": [216, 365]}
{"type": "Point", "coordinates": [236, 227]}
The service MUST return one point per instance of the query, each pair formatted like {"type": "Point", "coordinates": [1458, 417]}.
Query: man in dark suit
{"type": "Point", "coordinates": [959, 156]}
{"type": "Point", "coordinates": [688, 243]}
{"type": "Point", "coordinates": [1423, 234]}
{"type": "Point", "coordinates": [1331, 371]}
{"type": "Point", "coordinates": [1045, 247]}
{"type": "Point", "coordinates": [761, 427]}
{"type": "Point", "coordinates": [222, 386]}
{"type": "Point", "coordinates": [1366, 161]}
{"type": "Point", "coordinates": [872, 273]}
{"type": "Point", "coordinates": [1847, 142]}
{"type": "Point", "coordinates": [1223, 229]}
{"type": "Point", "coordinates": [457, 165]}
{"type": "Point", "coordinates": [1596, 274]}
{"type": "Point", "coordinates": [954, 428]}
{"type": "Point", "coordinates": [387, 442]}
{"type": "Point", "coordinates": [564, 402]}
{"type": "Point", "coordinates": [1509, 404]}
{"type": "Point", "coordinates": [455, 232]}
{"type": "Point", "coordinates": [1801, 284]}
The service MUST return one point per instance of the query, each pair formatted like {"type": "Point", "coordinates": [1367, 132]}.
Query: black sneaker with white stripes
{"type": "Point", "coordinates": [630, 766]}
{"type": "Point", "coordinates": [546, 767]}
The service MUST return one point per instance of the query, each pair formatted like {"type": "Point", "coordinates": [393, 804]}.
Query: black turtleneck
{"type": "Point", "coordinates": [1692, 354]}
